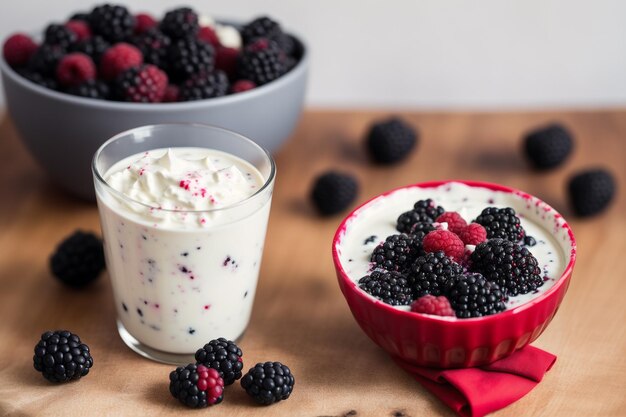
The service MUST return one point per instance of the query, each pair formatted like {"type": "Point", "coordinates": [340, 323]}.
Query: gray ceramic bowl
{"type": "Point", "coordinates": [62, 132]}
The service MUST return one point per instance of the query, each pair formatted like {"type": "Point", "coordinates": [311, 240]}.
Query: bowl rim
{"type": "Point", "coordinates": [300, 67]}
{"type": "Point", "coordinates": [377, 304]}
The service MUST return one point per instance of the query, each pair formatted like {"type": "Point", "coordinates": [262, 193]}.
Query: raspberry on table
{"type": "Point", "coordinates": [455, 222]}
{"type": "Point", "coordinates": [548, 146]}
{"type": "Point", "coordinates": [95, 89]}
{"type": "Point", "coordinates": [472, 295]}
{"type": "Point", "coordinates": [224, 356]}
{"type": "Point", "coordinates": [390, 141]}
{"type": "Point", "coordinates": [18, 49]}
{"type": "Point", "coordinates": [446, 241]}
{"type": "Point", "coordinates": [242, 85]}
{"type": "Point", "coordinates": [591, 191]}
{"type": "Point", "coordinates": [202, 86]}
{"type": "Point", "coordinates": [261, 62]}
{"type": "Point", "coordinates": [94, 47]}
{"type": "Point", "coordinates": [473, 234]}
{"type": "Point", "coordinates": [113, 22]}
{"type": "Point", "coordinates": [269, 382]}
{"type": "Point", "coordinates": [507, 264]}
{"type": "Point", "coordinates": [119, 58]}
{"type": "Point", "coordinates": [430, 273]}
{"type": "Point", "coordinates": [390, 287]}
{"type": "Point", "coordinates": [424, 211]}
{"type": "Point", "coordinates": [180, 23]}
{"type": "Point", "coordinates": [189, 57]}
{"type": "Point", "coordinates": [397, 252]}
{"type": "Point", "coordinates": [75, 69]}
{"type": "Point", "coordinates": [80, 28]}
{"type": "Point", "coordinates": [196, 386]}
{"type": "Point", "coordinates": [78, 260]}
{"type": "Point", "coordinates": [333, 192]}
{"type": "Point", "coordinates": [143, 23]}
{"type": "Point", "coordinates": [60, 356]}
{"type": "Point", "coordinates": [430, 304]}
{"type": "Point", "coordinates": [59, 35]}
{"type": "Point", "coordinates": [145, 84]}
{"type": "Point", "coordinates": [501, 223]}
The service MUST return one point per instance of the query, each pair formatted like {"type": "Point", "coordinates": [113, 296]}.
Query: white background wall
{"type": "Point", "coordinates": [428, 53]}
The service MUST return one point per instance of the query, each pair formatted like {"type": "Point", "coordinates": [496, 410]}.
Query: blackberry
{"type": "Point", "coordinates": [45, 60]}
{"type": "Point", "coordinates": [91, 89]}
{"type": "Point", "coordinates": [83, 16]}
{"type": "Point", "coordinates": [196, 386]}
{"type": "Point", "coordinates": [180, 23]}
{"type": "Point", "coordinates": [398, 252]}
{"type": "Point", "coordinates": [507, 264]}
{"type": "Point", "coordinates": [261, 61]}
{"type": "Point", "coordinates": [333, 192]}
{"type": "Point", "coordinates": [268, 382]}
{"type": "Point", "coordinates": [153, 45]}
{"type": "Point", "coordinates": [223, 356]}
{"type": "Point", "coordinates": [472, 295]}
{"type": "Point", "coordinates": [60, 356]}
{"type": "Point", "coordinates": [261, 27]}
{"type": "Point", "coordinates": [591, 191]}
{"type": "Point", "coordinates": [78, 260]}
{"type": "Point", "coordinates": [501, 223]}
{"type": "Point", "coordinates": [430, 273]}
{"type": "Point", "coordinates": [93, 47]}
{"type": "Point", "coordinates": [389, 287]}
{"type": "Point", "coordinates": [424, 211]}
{"type": "Point", "coordinates": [201, 86]}
{"type": "Point", "coordinates": [548, 146]}
{"type": "Point", "coordinates": [113, 22]}
{"type": "Point", "coordinates": [38, 78]}
{"type": "Point", "coordinates": [390, 141]}
{"type": "Point", "coordinates": [60, 36]}
{"type": "Point", "coordinates": [189, 57]}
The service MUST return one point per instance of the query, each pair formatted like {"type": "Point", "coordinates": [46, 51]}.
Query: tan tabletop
{"type": "Point", "coordinates": [300, 316]}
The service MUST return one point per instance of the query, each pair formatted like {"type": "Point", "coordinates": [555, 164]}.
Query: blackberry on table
{"type": "Point", "coordinates": [78, 260]}
{"type": "Point", "coordinates": [548, 146]}
{"type": "Point", "coordinates": [188, 57]}
{"type": "Point", "coordinates": [430, 273]}
{"type": "Point", "coordinates": [390, 141]}
{"type": "Point", "coordinates": [153, 44]}
{"type": "Point", "coordinates": [269, 382]}
{"type": "Point", "coordinates": [203, 86]}
{"type": "Point", "coordinates": [501, 223]}
{"type": "Point", "coordinates": [424, 211]}
{"type": "Point", "coordinates": [38, 78]}
{"type": "Point", "coordinates": [94, 47]}
{"type": "Point", "coordinates": [180, 23]}
{"type": "Point", "coordinates": [113, 22]}
{"type": "Point", "coordinates": [45, 60]}
{"type": "Point", "coordinates": [60, 356]}
{"type": "Point", "coordinates": [591, 191]}
{"type": "Point", "coordinates": [261, 61]}
{"type": "Point", "coordinates": [507, 264]}
{"type": "Point", "coordinates": [60, 36]}
{"type": "Point", "coordinates": [223, 356]}
{"type": "Point", "coordinates": [472, 295]}
{"type": "Point", "coordinates": [389, 287]}
{"type": "Point", "coordinates": [333, 192]}
{"type": "Point", "coordinates": [398, 252]}
{"type": "Point", "coordinates": [91, 89]}
{"type": "Point", "coordinates": [196, 385]}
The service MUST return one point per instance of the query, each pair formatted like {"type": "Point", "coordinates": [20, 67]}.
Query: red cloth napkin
{"type": "Point", "coordinates": [474, 392]}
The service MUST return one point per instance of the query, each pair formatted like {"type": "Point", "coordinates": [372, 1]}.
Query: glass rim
{"type": "Point", "coordinates": [119, 194]}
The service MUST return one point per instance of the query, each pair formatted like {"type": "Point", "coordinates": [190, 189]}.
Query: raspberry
{"type": "Point", "coordinates": [196, 386]}
{"type": "Point", "coordinates": [172, 93]}
{"type": "Point", "coordinates": [59, 35]}
{"type": "Point", "coordinates": [189, 57]}
{"type": "Point", "coordinates": [446, 241]}
{"type": "Point", "coordinates": [224, 356]}
{"type": "Point", "coordinates": [226, 60]}
{"type": "Point", "coordinates": [18, 49]}
{"type": "Point", "coordinates": [78, 260]}
{"type": "Point", "coordinates": [591, 191]}
{"type": "Point", "coordinates": [80, 29]}
{"type": "Point", "coordinates": [143, 23]}
{"type": "Point", "coordinates": [208, 35]}
{"type": "Point", "coordinates": [430, 273]}
{"type": "Point", "coordinates": [75, 68]}
{"type": "Point", "coordinates": [114, 23]}
{"type": "Point", "coordinates": [201, 86]}
{"type": "Point", "coordinates": [61, 356]}
{"type": "Point", "coordinates": [268, 382]}
{"type": "Point", "coordinates": [501, 223]}
{"type": "Point", "coordinates": [389, 287]}
{"type": "Point", "coordinates": [424, 211]}
{"type": "Point", "coordinates": [180, 23]}
{"type": "Point", "coordinates": [95, 47]}
{"type": "Point", "coordinates": [333, 192]}
{"type": "Point", "coordinates": [390, 141]}
{"type": "Point", "coordinates": [242, 85]}
{"type": "Point", "coordinates": [473, 234]}
{"type": "Point", "coordinates": [472, 295]}
{"type": "Point", "coordinates": [429, 304]}
{"type": "Point", "coordinates": [456, 223]}
{"type": "Point", "coordinates": [145, 84]}
{"type": "Point", "coordinates": [118, 59]}
{"type": "Point", "coordinates": [548, 146]}
{"type": "Point", "coordinates": [261, 62]}
{"type": "Point", "coordinates": [153, 44]}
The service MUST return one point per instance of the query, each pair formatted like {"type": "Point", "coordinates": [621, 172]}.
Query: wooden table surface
{"type": "Point", "coordinates": [300, 316]}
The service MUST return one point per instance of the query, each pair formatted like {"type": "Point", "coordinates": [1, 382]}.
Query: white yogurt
{"type": "Point", "coordinates": [377, 220]}
{"type": "Point", "coordinates": [184, 257]}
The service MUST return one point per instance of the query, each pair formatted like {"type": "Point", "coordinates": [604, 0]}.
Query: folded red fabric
{"type": "Point", "coordinates": [474, 392]}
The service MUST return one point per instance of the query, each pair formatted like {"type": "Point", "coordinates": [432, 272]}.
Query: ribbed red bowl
{"type": "Point", "coordinates": [455, 343]}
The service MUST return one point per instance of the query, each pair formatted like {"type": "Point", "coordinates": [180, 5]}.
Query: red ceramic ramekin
{"type": "Point", "coordinates": [426, 340]}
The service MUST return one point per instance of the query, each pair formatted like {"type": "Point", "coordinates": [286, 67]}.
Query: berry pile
{"type": "Point", "coordinates": [430, 266]}
{"type": "Point", "coordinates": [111, 54]}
